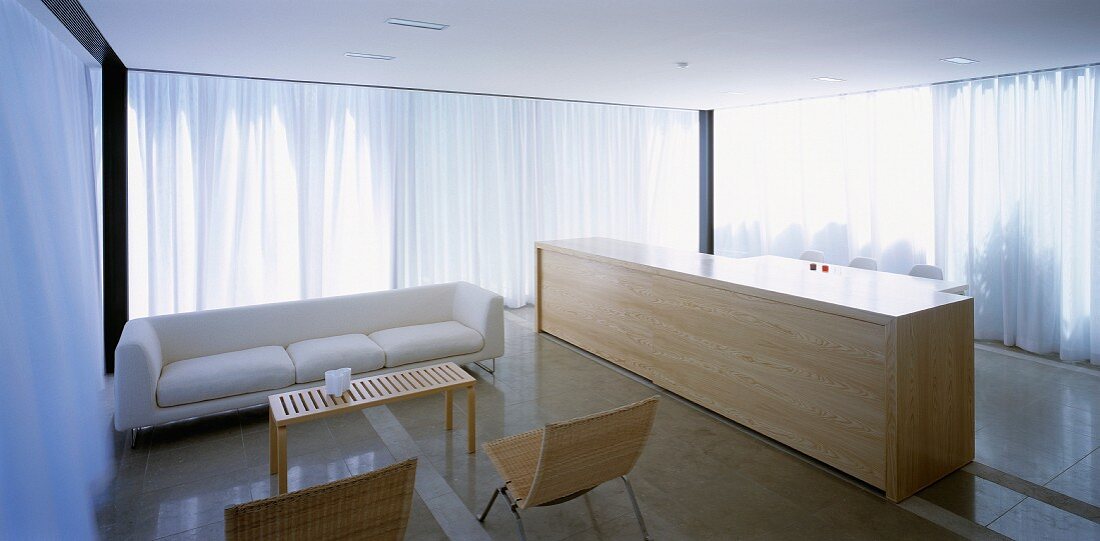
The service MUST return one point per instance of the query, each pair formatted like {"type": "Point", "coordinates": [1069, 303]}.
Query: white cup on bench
{"type": "Point", "coordinates": [338, 381]}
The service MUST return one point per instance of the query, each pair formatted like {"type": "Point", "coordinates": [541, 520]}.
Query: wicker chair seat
{"type": "Point", "coordinates": [564, 460]}
{"type": "Point", "coordinates": [515, 458]}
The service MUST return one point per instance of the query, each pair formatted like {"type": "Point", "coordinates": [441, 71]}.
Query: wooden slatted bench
{"type": "Point", "coordinates": [303, 405]}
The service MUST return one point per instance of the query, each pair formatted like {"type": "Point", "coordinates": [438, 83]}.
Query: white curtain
{"type": "Point", "coordinates": [245, 191]}
{"type": "Point", "coordinates": [1017, 181]}
{"type": "Point", "coordinates": [848, 175]}
{"type": "Point", "coordinates": [242, 192]}
{"type": "Point", "coordinates": [53, 435]}
{"type": "Point", "coordinates": [493, 175]}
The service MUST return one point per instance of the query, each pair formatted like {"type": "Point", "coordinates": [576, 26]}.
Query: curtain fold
{"type": "Point", "coordinates": [244, 192]}
{"type": "Point", "coordinates": [257, 191]}
{"type": "Point", "coordinates": [995, 180]}
{"type": "Point", "coordinates": [1017, 185]}
{"type": "Point", "coordinates": [848, 175]}
{"type": "Point", "coordinates": [54, 449]}
{"type": "Point", "coordinates": [494, 175]}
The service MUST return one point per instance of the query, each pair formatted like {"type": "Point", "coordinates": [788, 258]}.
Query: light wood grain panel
{"type": "Point", "coordinates": [811, 380]}
{"type": "Point", "coordinates": [887, 398]}
{"type": "Point", "coordinates": [599, 307]}
{"type": "Point", "coordinates": [931, 397]}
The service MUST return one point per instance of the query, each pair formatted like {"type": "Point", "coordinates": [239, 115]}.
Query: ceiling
{"type": "Point", "coordinates": [608, 51]}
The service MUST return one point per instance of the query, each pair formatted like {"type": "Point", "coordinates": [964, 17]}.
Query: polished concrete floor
{"type": "Point", "coordinates": [1036, 476]}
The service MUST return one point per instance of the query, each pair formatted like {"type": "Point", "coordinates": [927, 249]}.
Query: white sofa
{"type": "Point", "coordinates": [178, 366]}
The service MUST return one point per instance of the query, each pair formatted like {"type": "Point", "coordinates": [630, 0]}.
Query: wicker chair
{"type": "Point", "coordinates": [374, 505]}
{"type": "Point", "coordinates": [565, 460]}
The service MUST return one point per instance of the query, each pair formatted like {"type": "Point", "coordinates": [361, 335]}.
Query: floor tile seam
{"type": "Point", "coordinates": [203, 477]}
{"type": "Point", "coordinates": [1038, 360]}
{"type": "Point", "coordinates": [1080, 460]}
{"type": "Point", "coordinates": [221, 518]}
{"type": "Point", "coordinates": [204, 524]}
{"type": "Point", "coordinates": [608, 401]}
{"type": "Point", "coordinates": [237, 471]}
{"type": "Point", "coordinates": [251, 494]}
{"type": "Point", "coordinates": [1050, 422]}
{"type": "Point", "coordinates": [150, 451]}
{"type": "Point", "coordinates": [594, 523]}
{"type": "Point", "coordinates": [431, 505]}
{"type": "Point", "coordinates": [1037, 492]}
{"type": "Point", "coordinates": [1009, 510]}
{"type": "Point", "coordinates": [1063, 451]}
{"type": "Point", "coordinates": [1036, 450]}
{"type": "Point", "coordinates": [392, 431]}
{"type": "Point", "coordinates": [1077, 408]}
{"type": "Point", "coordinates": [188, 530]}
{"type": "Point", "coordinates": [935, 514]}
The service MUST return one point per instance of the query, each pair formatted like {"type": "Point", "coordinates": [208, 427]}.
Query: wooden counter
{"type": "Point", "coordinates": [869, 372]}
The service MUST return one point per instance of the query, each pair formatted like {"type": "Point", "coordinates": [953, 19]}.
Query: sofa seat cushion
{"type": "Point", "coordinates": [415, 343]}
{"type": "Point", "coordinates": [226, 374]}
{"type": "Point", "coordinates": [355, 351]}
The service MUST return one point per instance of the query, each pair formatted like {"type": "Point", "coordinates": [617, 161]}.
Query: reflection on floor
{"type": "Point", "coordinates": [1037, 473]}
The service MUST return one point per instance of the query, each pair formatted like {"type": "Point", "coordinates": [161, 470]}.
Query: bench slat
{"type": "Point", "coordinates": [304, 404]}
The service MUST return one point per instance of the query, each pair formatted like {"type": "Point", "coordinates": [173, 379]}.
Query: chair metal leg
{"type": "Point", "coordinates": [515, 512]}
{"type": "Point", "coordinates": [493, 499]}
{"type": "Point", "coordinates": [134, 432]}
{"type": "Point", "coordinates": [637, 511]}
{"type": "Point", "coordinates": [492, 370]}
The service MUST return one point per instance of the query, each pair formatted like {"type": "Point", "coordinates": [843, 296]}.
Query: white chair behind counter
{"type": "Point", "coordinates": [927, 271]}
{"type": "Point", "coordinates": [816, 256]}
{"type": "Point", "coordinates": [864, 263]}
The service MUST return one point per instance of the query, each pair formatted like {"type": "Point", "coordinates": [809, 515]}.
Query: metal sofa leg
{"type": "Point", "coordinates": [637, 511]}
{"type": "Point", "coordinates": [134, 433]}
{"type": "Point", "coordinates": [486, 368]}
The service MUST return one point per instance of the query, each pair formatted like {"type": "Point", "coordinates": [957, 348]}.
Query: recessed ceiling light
{"type": "Point", "coordinates": [734, 93]}
{"type": "Point", "coordinates": [682, 65]}
{"type": "Point", "coordinates": [959, 60]}
{"type": "Point", "coordinates": [417, 24]}
{"type": "Point", "coordinates": [370, 56]}
{"type": "Point", "coordinates": [829, 79]}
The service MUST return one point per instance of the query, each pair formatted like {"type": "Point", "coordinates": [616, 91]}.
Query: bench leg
{"type": "Point", "coordinates": [272, 445]}
{"type": "Point", "coordinates": [281, 443]}
{"type": "Point", "coordinates": [449, 415]}
{"type": "Point", "coordinates": [471, 420]}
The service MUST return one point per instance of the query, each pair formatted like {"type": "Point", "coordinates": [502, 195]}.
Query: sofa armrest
{"type": "Point", "coordinates": [483, 311]}
{"type": "Point", "coordinates": [138, 364]}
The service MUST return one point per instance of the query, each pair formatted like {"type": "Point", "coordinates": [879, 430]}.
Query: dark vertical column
{"type": "Point", "coordinates": [115, 261]}
{"type": "Point", "coordinates": [706, 182]}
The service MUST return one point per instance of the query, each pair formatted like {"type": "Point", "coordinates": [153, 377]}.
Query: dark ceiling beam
{"type": "Point", "coordinates": [80, 25]}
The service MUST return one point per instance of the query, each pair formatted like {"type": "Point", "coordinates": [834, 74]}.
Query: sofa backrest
{"type": "Point", "coordinates": [209, 332]}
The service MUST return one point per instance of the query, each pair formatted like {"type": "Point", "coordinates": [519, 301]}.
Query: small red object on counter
{"type": "Point", "coordinates": [824, 268]}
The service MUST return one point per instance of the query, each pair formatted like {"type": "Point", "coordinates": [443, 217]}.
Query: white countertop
{"type": "Point", "coordinates": [870, 295]}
